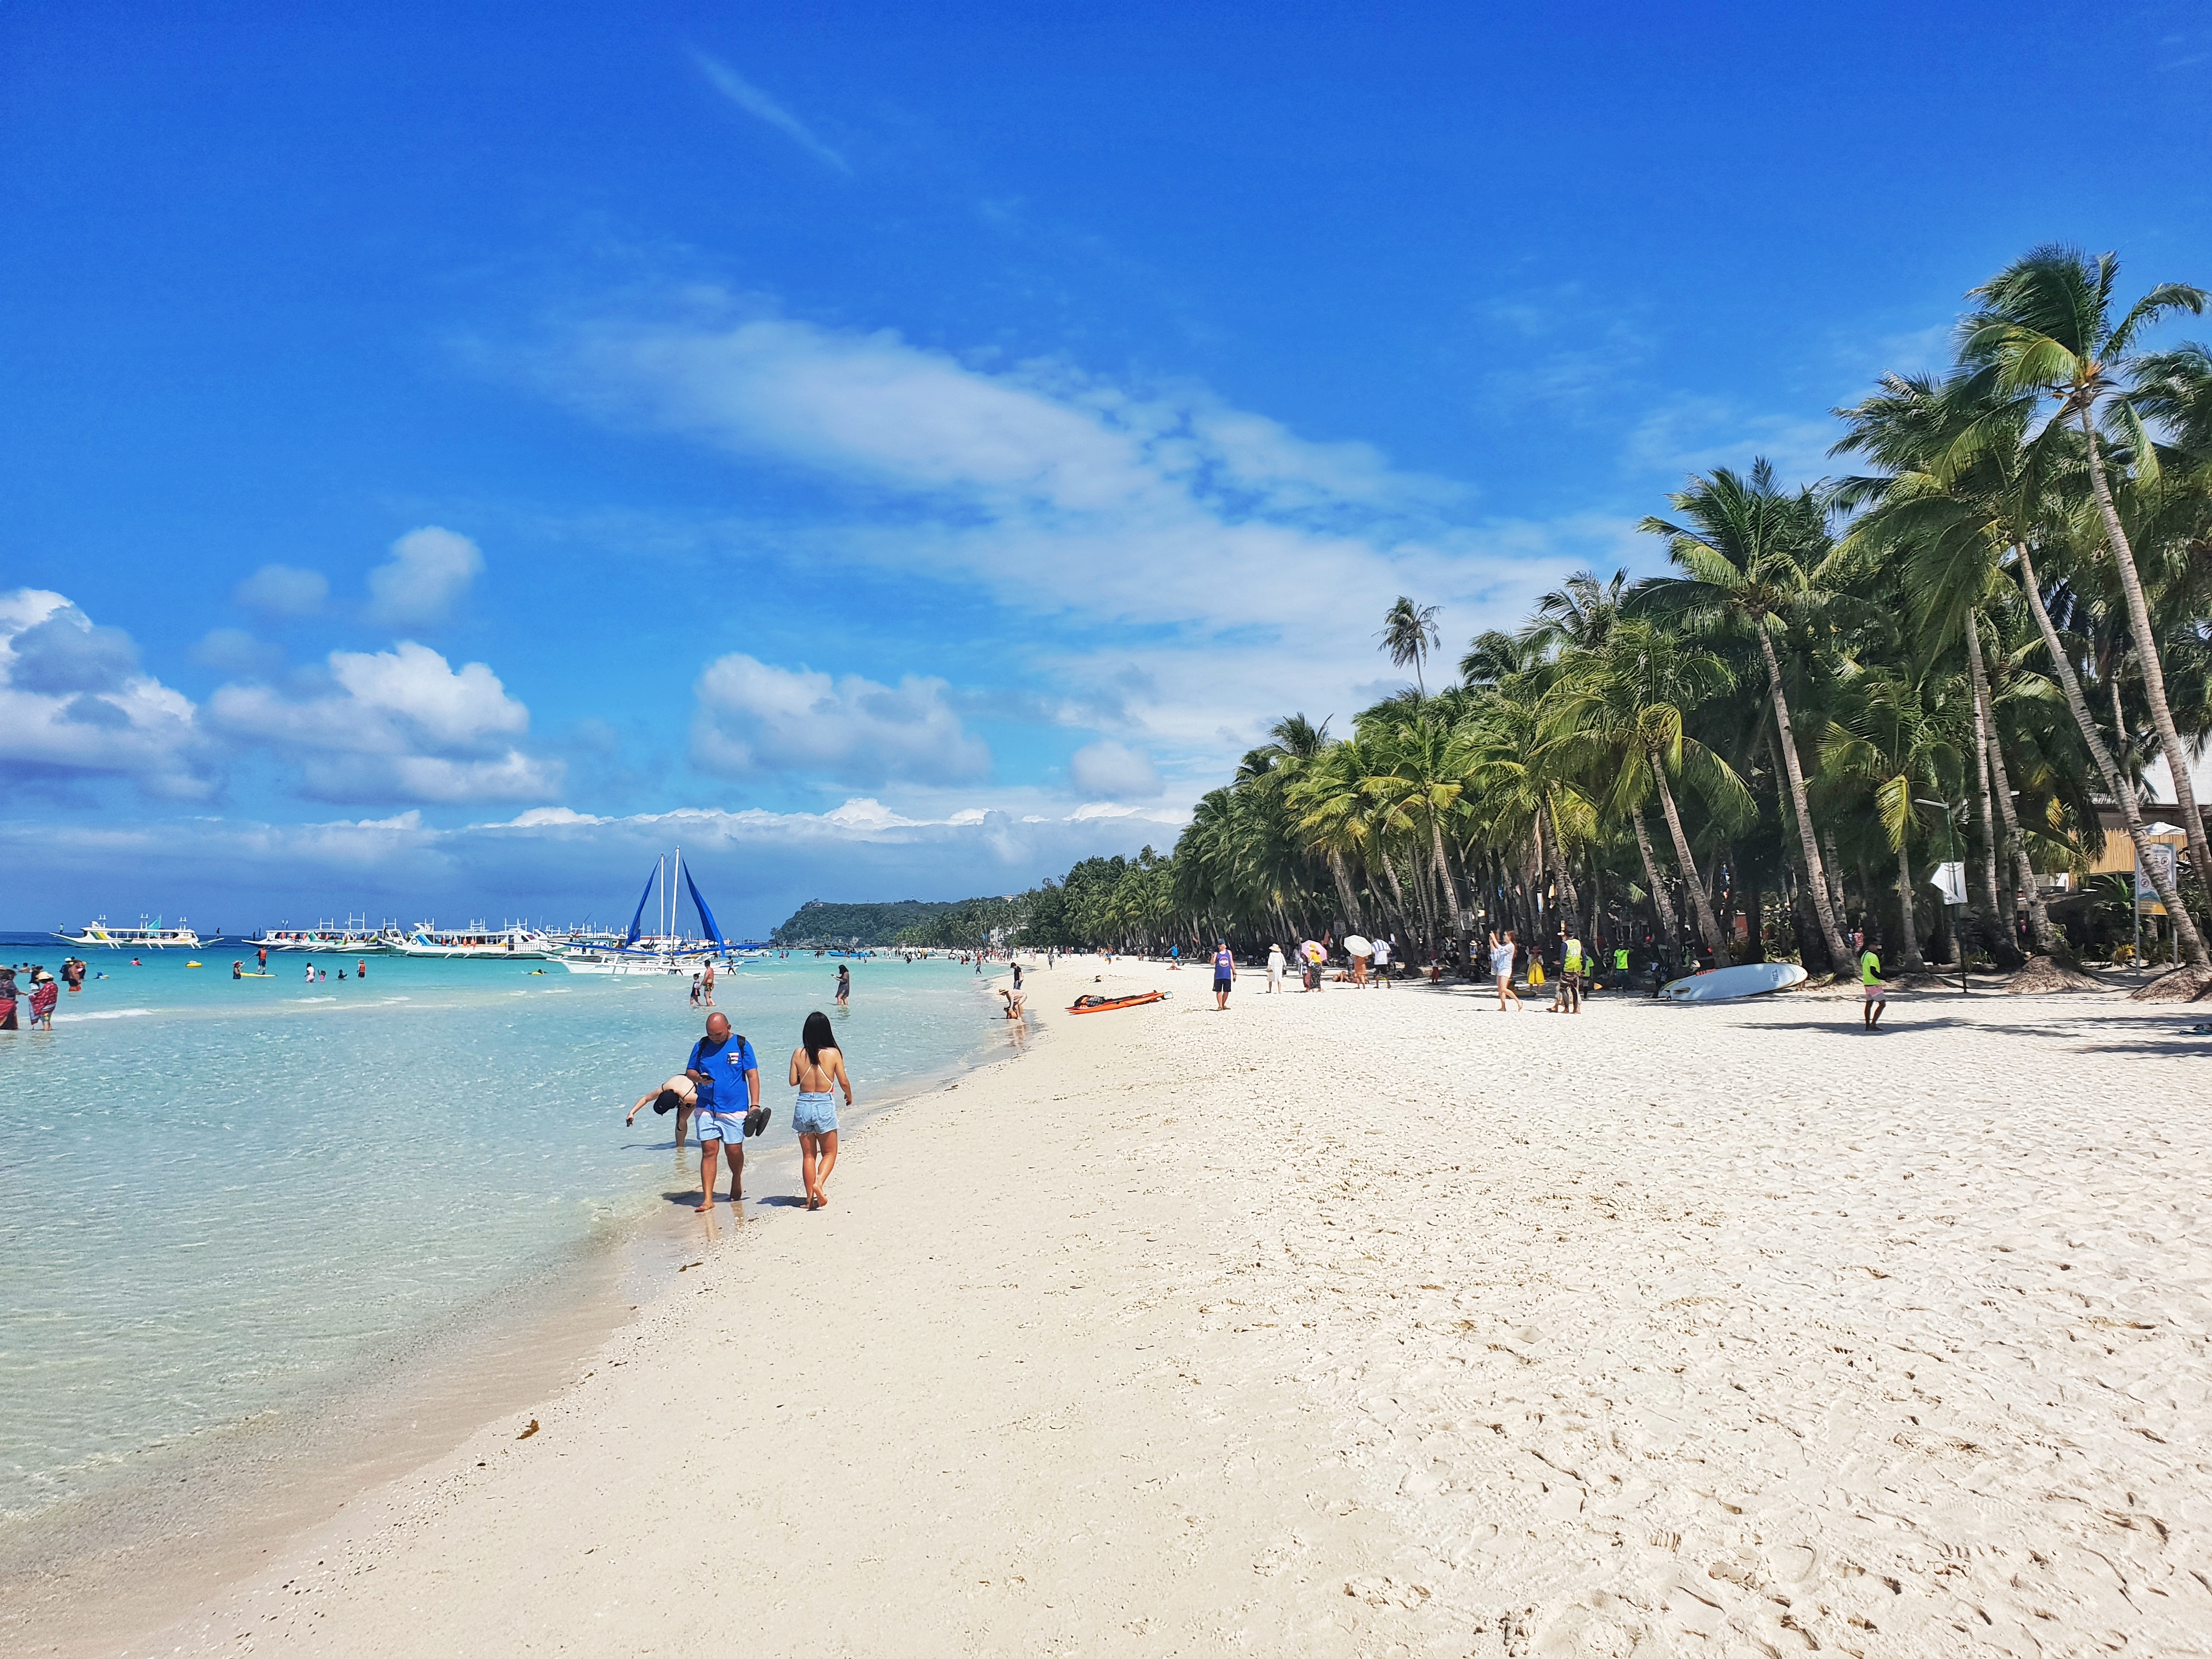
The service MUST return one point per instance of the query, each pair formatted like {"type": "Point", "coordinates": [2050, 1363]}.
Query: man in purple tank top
{"type": "Point", "coordinates": [1224, 973]}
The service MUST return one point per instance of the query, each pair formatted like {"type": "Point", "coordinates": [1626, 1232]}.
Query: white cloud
{"type": "Point", "coordinates": [1257, 563]}
{"type": "Point", "coordinates": [397, 725]}
{"type": "Point", "coordinates": [1696, 434]}
{"type": "Point", "coordinates": [753, 718]}
{"type": "Point", "coordinates": [1114, 770]}
{"type": "Point", "coordinates": [278, 590]}
{"type": "Point", "coordinates": [234, 650]}
{"type": "Point", "coordinates": [429, 572]}
{"type": "Point", "coordinates": [73, 705]}
{"type": "Point", "coordinates": [755, 868]}
{"type": "Point", "coordinates": [755, 102]}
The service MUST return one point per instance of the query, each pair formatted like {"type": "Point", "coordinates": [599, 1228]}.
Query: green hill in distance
{"type": "Point", "coordinates": [820, 922]}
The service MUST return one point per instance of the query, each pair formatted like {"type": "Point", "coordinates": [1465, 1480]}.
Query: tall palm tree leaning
{"type": "Point", "coordinates": [1747, 552]}
{"type": "Point", "coordinates": [2045, 326]}
{"type": "Point", "coordinates": [1409, 634]}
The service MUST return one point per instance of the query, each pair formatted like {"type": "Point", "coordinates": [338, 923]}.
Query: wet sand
{"type": "Point", "coordinates": [1381, 1321]}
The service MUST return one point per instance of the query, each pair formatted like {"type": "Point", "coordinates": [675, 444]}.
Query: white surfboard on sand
{"type": "Point", "coordinates": [1725, 984]}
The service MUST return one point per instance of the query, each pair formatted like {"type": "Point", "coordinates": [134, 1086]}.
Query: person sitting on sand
{"type": "Point", "coordinates": [817, 1065]}
{"type": "Point", "coordinates": [1501, 969]}
{"type": "Point", "coordinates": [728, 1073]}
{"type": "Point", "coordinates": [678, 1095]}
{"type": "Point", "coordinates": [1875, 998]}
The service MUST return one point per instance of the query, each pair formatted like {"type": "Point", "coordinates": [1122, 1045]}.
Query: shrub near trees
{"type": "Point", "coordinates": [1984, 635]}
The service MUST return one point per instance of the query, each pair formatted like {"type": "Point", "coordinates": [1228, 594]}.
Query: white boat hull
{"type": "Point", "coordinates": [135, 938]}
{"type": "Point", "coordinates": [1725, 984]}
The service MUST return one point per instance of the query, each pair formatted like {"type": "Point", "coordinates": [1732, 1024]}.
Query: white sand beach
{"type": "Point", "coordinates": [1374, 1323]}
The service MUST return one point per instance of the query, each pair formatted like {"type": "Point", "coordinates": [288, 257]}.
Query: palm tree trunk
{"type": "Point", "coordinates": [1985, 815]}
{"type": "Point", "coordinates": [1570, 901]}
{"type": "Point", "coordinates": [1444, 873]}
{"type": "Point", "coordinates": [1669, 929]}
{"type": "Point", "coordinates": [1909, 934]}
{"type": "Point", "coordinates": [1837, 897]}
{"type": "Point", "coordinates": [1344, 893]}
{"type": "Point", "coordinates": [2154, 673]}
{"type": "Point", "coordinates": [2038, 914]}
{"type": "Point", "coordinates": [2124, 797]}
{"type": "Point", "coordinates": [1708, 924]}
{"type": "Point", "coordinates": [1816, 873]}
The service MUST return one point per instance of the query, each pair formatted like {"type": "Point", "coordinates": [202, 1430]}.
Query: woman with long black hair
{"type": "Point", "coordinates": [818, 1066]}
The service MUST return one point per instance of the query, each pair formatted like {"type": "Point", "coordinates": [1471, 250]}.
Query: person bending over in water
{"type": "Point", "coordinates": [723, 1066]}
{"type": "Point", "coordinates": [815, 1065]}
{"type": "Point", "coordinates": [678, 1095]}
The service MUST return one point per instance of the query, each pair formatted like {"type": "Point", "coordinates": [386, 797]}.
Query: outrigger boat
{"type": "Point", "coordinates": [144, 936]}
{"type": "Point", "coordinates": [664, 951]}
{"type": "Point", "coordinates": [512, 943]}
{"type": "Point", "coordinates": [355, 938]}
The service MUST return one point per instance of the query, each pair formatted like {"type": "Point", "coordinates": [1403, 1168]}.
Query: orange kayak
{"type": "Point", "coordinates": [1100, 1004]}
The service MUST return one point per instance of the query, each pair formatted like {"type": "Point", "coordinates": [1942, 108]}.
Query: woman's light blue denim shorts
{"type": "Point", "coordinates": [814, 1114]}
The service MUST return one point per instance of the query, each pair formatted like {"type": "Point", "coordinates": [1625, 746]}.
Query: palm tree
{"type": "Point", "coordinates": [1965, 491]}
{"type": "Point", "coordinates": [2045, 327]}
{"type": "Point", "coordinates": [1943, 514]}
{"type": "Point", "coordinates": [1409, 632]}
{"type": "Point", "coordinates": [1618, 712]}
{"type": "Point", "coordinates": [1580, 613]}
{"type": "Point", "coordinates": [1749, 554]}
{"type": "Point", "coordinates": [1426, 773]}
{"type": "Point", "coordinates": [1897, 744]}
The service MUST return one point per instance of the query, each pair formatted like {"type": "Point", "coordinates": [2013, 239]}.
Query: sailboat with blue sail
{"type": "Point", "coordinates": [663, 951]}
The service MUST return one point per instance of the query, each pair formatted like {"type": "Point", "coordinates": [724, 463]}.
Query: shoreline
{"type": "Point", "coordinates": [202, 1512]}
{"type": "Point", "coordinates": [1348, 1323]}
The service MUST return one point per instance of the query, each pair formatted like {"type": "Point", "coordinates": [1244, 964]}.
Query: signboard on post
{"type": "Point", "coordinates": [1950, 880]}
{"type": "Point", "coordinates": [2155, 857]}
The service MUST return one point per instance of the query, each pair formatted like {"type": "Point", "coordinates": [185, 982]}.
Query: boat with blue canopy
{"type": "Point", "coordinates": [663, 951]}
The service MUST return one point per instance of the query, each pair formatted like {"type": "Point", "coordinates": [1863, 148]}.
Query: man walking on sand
{"type": "Point", "coordinates": [1876, 998]}
{"type": "Point", "coordinates": [726, 1074]}
{"type": "Point", "coordinates": [1224, 973]}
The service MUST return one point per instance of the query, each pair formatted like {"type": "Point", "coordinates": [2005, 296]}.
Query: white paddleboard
{"type": "Point", "coordinates": [1724, 984]}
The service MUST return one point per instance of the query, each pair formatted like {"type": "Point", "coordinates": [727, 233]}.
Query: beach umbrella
{"type": "Point", "coordinates": [1358, 945]}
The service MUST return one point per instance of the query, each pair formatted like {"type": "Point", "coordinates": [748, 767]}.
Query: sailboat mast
{"type": "Point", "coordinates": [673, 890]}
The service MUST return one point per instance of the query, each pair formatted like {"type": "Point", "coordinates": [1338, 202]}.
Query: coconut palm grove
{"type": "Point", "coordinates": [1981, 641]}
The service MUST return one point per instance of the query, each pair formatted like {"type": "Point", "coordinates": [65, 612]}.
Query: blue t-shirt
{"type": "Point", "coordinates": [725, 1069]}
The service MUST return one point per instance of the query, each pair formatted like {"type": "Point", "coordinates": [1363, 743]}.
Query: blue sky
{"type": "Point", "coordinates": [448, 454]}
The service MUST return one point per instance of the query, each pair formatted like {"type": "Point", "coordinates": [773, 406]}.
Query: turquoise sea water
{"type": "Point", "coordinates": [217, 1194]}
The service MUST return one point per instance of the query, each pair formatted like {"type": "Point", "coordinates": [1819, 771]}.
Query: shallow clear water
{"type": "Point", "coordinates": [215, 1193]}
